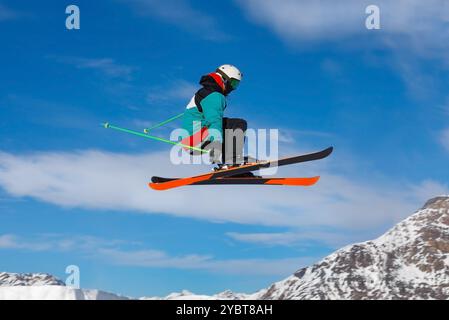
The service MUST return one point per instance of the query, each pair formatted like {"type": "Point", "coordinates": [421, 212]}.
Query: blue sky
{"type": "Point", "coordinates": [72, 192]}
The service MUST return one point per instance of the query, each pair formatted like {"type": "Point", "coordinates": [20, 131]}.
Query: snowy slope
{"type": "Point", "coordinates": [42, 286]}
{"type": "Point", "coordinates": [410, 261]}
{"type": "Point", "coordinates": [52, 292]}
{"type": "Point", "coordinates": [37, 286]}
{"type": "Point", "coordinates": [187, 295]}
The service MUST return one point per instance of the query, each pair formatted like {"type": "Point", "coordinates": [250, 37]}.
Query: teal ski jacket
{"type": "Point", "coordinates": [206, 107]}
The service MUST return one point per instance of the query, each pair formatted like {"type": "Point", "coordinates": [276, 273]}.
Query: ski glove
{"type": "Point", "coordinates": [215, 149]}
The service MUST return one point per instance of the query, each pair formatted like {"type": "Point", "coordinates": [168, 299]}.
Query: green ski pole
{"type": "Point", "coordinates": [147, 130]}
{"type": "Point", "coordinates": [110, 126]}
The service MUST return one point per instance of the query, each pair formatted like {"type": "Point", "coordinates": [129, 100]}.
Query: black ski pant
{"type": "Point", "coordinates": [233, 140]}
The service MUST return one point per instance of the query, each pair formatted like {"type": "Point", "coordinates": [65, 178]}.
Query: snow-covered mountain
{"type": "Point", "coordinates": [31, 286]}
{"type": "Point", "coordinates": [187, 295]}
{"type": "Point", "coordinates": [28, 279]}
{"type": "Point", "coordinates": [410, 261]}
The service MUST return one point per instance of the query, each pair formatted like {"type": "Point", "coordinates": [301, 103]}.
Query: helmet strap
{"type": "Point", "coordinates": [222, 74]}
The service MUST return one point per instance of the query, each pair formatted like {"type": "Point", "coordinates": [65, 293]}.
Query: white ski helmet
{"type": "Point", "coordinates": [231, 75]}
{"type": "Point", "coordinates": [230, 72]}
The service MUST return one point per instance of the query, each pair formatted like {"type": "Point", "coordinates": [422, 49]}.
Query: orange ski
{"type": "Point", "coordinates": [230, 176]}
{"type": "Point", "coordinates": [166, 184]}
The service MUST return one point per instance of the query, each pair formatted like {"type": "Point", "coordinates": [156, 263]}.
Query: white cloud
{"type": "Point", "coordinates": [179, 90]}
{"type": "Point", "coordinates": [110, 252]}
{"type": "Point", "coordinates": [58, 242]}
{"type": "Point", "coordinates": [7, 13]}
{"type": "Point", "coordinates": [278, 267]}
{"type": "Point", "coordinates": [114, 181]}
{"type": "Point", "coordinates": [159, 259]}
{"type": "Point", "coordinates": [329, 19]}
{"type": "Point", "coordinates": [305, 19]}
{"type": "Point", "coordinates": [281, 238]}
{"type": "Point", "coordinates": [106, 66]}
{"type": "Point", "coordinates": [410, 29]}
{"type": "Point", "coordinates": [9, 241]}
{"type": "Point", "coordinates": [430, 188]}
{"type": "Point", "coordinates": [298, 238]}
{"type": "Point", "coordinates": [181, 14]}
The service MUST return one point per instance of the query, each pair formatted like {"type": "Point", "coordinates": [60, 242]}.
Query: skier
{"type": "Point", "coordinates": [204, 115]}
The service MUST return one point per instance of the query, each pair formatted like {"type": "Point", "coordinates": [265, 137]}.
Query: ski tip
{"type": "Point", "coordinates": [151, 185]}
{"type": "Point", "coordinates": [314, 180]}
{"type": "Point", "coordinates": [156, 179]}
{"type": "Point", "coordinates": [306, 182]}
{"type": "Point", "coordinates": [157, 186]}
{"type": "Point", "coordinates": [329, 150]}
{"type": "Point", "coordinates": [105, 125]}
{"type": "Point", "coordinates": [161, 186]}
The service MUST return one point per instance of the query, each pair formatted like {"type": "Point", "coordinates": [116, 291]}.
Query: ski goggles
{"type": "Point", "coordinates": [234, 83]}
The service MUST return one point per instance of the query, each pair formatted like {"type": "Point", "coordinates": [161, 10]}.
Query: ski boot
{"type": "Point", "coordinates": [221, 167]}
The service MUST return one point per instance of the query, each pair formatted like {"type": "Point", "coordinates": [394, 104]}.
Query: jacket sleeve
{"type": "Point", "coordinates": [213, 106]}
